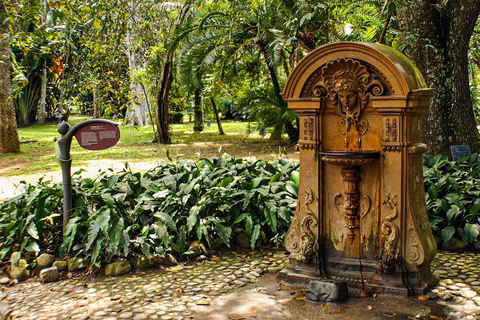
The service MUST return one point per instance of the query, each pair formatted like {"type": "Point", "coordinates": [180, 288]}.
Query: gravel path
{"type": "Point", "coordinates": [234, 286]}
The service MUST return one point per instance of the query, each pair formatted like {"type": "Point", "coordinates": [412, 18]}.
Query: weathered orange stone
{"type": "Point", "coordinates": [361, 215]}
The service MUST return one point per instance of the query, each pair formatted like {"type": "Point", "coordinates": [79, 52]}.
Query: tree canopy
{"type": "Point", "coordinates": [151, 62]}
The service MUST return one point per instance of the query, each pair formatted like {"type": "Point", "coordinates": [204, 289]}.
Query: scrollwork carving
{"type": "Point", "coordinates": [309, 247]}
{"type": "Point", "coordinates": [389, 256]}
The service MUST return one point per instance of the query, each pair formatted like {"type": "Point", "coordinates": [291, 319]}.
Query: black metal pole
{"type": "Point", "coordinates": [65, 161]}
{"type": "Point", "coordinates": [67, 190]}
{"type": "Point", "coordinates": [63, 154]}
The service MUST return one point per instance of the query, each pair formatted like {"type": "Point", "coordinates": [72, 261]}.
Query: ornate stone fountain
{"type": "Point", "coordinates": [361, 215]}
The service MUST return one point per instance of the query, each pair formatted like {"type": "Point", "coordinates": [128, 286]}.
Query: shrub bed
{"type": "Point", "coordinates": [126, 214]}
{"type": "Point", "coordinates": [452, 196]}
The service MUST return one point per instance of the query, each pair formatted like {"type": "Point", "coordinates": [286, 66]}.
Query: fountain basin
{"type": "Point", "coordinates": [349, 158]}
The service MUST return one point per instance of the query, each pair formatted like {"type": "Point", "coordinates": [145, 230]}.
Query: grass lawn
{"type": "Point", "coordinates": [136, 145]}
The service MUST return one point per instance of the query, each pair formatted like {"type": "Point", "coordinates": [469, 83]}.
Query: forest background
{"type": "Point", "coordinates": [151, 62]}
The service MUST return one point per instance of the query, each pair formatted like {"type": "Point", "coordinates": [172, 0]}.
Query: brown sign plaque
{"type": "Point", "coordinates": [98, 136]}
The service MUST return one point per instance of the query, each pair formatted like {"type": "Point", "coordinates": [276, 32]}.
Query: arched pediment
{"type": "Point", "coordinates": [385, 71]}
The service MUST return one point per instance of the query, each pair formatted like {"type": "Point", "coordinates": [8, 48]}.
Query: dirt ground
{"type": "Point", "coordinates": [268, 299]}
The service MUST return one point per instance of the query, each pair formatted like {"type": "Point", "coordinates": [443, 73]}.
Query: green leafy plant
{"type": "Point", "coordinates": [452, 196]}
{"type": "Point", "coordinates": [31, 221]}
{"type": "Point", "coordinates": [130, 214]}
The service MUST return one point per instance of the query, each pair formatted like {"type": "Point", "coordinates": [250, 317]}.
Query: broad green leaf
{"type": "Point", "coordinates": [103, 218]}
{"type": "Point", "coordinates": [255, 235]}
{"type": "Point", "coordinates": [161, 231]}
{"type": "Point", "coordinates": [125, 243]}
{"type": "Point", "coordinates": [256, 182]}
{"type": "Point", "coordinates": [285, 214]}
{"type": "Point", "coordinates": [96, 250]}
{"type": "Point", "coordinates": [92, 234]}
{"type": "Point", "coordinates": [240, 218]}
{"type": "Point", "coordinates": [249, 225]}
{"type": "Point", "coordinates": [447, 233]}
{"type": "Point", "coordinates": [432, 192]}
{"type": "Point", "coordinates": [275, 177]}
{"type": "Point", "coordinates": [115, 232]}
{"type": "Point", "coordinates": [292, 188]}
{"type": "Point", "coordinates": [271, 216]}
{"type": "Point", "coordinates": [161, 194]}
{"type": "Point", "coordinates": [223, 232]}
{"type": "Point", "coordinates": [192, 217]}
{"type": "Point", "coordinates": [32, 230]}
{"type": "Point", "coordinates": [112, 180]}
{"type": "Point", "coordinates": [475, 209]}
{"type": "Point", "coordinates": [471, 231]}
{"type": "Point", "coordinates": [445, 205]}
{"type": "Point", "coordinates": [108, 199]}
{"type": "Point", "coordinates": [295, 176]}
{"type": "Point", "coordinates": [182, 237]}
{"type": "Point", "coordinates": [32, 246]}
{"type": "Point", "coordinates": [166, 219]}
{"type": "Point", "coordinates": [452, 213]}
{"type": "Point", "coordinates": [4, 251]}
{"type": "Point", "coordinates": [225, 182]}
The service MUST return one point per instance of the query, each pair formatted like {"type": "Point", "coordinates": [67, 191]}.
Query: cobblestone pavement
{"type": "Point", "coordinates": [178, 292]}
{"type": "Point", "coordinates": [459, 284]}
{"type": "Point", "coordinates": [151, 294]}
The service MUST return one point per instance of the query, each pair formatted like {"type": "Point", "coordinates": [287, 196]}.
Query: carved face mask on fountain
{"type": "Point", "coordinates": [346, 91]}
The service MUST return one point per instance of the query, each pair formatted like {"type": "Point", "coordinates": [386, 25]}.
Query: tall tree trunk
{"type": "Point", "coordinates": [217, 117]}
{"type": "Point", "coordinates": [161, 112]}
{"type": "Point", "coordinates": [163, 127]}
{"type": "Point", "coordinates": [198, 124]}
{"type": "Point", "coordinates": [137, 112]}
{"type": "Point", "coordinates": [8, 125]}
{"type": "Point", "coordinates": [442, 34]}
{"type": "Point", "coordinates": [42, 113]}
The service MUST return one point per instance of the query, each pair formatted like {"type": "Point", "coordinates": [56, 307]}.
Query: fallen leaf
{"type": "Point", "coordinates": [301, 298]}
{"type": "Point", "coordinates": [253, 314]}
{"type": "Point", "coordinates": [424, 298]}
{"type": "Point", "coordinates": [282, 284]}
{"type": "Point", "coordinates": [369, 308]}
{"type": "Point", "coordinates": [328, 309]}
{"type": "Point", "coordinates": [178, 293]}
{"type": "Point", "coordinates": [436, 318]}
{"type": "Point", "coordinates": [398, 306]}
{"type": "Point", "coordinates": [215, 258]}
{"type": "Point", "coordinates": [390, 315]}
{"type": "Point", "coordinates": [293, 292]}
{"type": "Point", "coordinates": [203, 302]}
{"type": "Point", "coordinates": [363, 294]}
{"type": "Point", "coordinates": [234, 317]}
{"type": "Point", "coordinates": [116, 298]}
{"type": "Point", "coordinates": [303, 289]}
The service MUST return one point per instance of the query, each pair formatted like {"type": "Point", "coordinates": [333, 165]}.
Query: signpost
{"type": "Point", "coordinates": [460, 151]}
{"type": "Point", "coordinates": [97, 134]}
